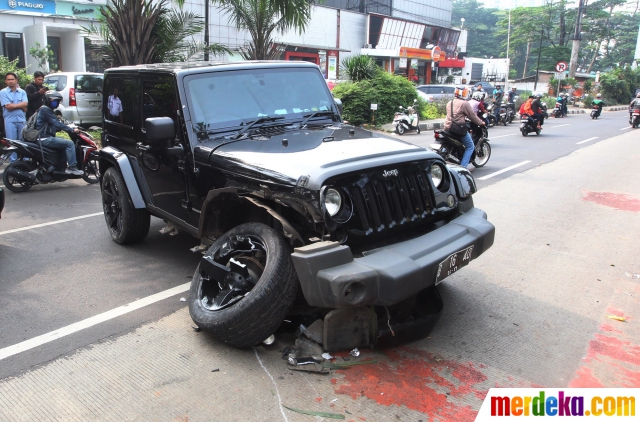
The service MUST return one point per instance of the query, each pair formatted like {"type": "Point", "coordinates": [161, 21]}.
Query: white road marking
{"type": "Point", "coordinates": [488, 176]}
{"type": "Point", "coordinates": [625, 128]}
{"type": "Point", "coordinates": [274, 384]}
{"type": "Point", "coordinates": [501, 136]}
{"type": "Point", "coordinates": [552, 126]}
{"type": "Point", "coordinates": [51, 223]}
{"type": "Point", "coordinates": [90, 322]}
{"type": "Point", "coordinates": [586, 140]}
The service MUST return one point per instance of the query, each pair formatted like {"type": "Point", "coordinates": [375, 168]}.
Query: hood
{"type": "Point", "coordinates": [314, 153]}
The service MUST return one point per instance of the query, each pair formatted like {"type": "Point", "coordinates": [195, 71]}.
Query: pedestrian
{"type": "Point", "coordinates": [14, 106]}
{"type": "Point", "coordinates": [114, 104]}
{"type": "Point", "coordinates": [35, 93]}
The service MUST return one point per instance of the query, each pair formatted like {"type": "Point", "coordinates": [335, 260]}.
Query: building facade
{"type": "Point", "coordinates": [27, 24]}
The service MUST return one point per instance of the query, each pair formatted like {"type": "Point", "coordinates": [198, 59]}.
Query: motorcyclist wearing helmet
{"type": "Point", "coordinates": [536, 106]}
{"type": "Point", "coordinates": [498, 93]}
{"type": "Point", "coordinates": [635, 105]}
{"type": "Point", "coordinates": [565, 102]}
{"type": "Point", "coordinates": [598, 102]}
{"type": "Point", "coordinates": [478, 107]}
{"type": "Point", "coordinates": [48, 124]}
{"type": "Point", "coordinates": [457, 110]}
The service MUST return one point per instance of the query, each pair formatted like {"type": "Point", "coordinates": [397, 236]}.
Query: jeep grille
{"type": "Point", "coordinates": [384, 203]}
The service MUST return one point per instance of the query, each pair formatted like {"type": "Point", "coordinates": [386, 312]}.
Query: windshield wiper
{"type": "Point", "coordinates": [258, 121]}
{"type": "Point", "coordinates": [316, 114]}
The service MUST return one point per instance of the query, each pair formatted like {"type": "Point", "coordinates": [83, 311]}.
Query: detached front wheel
{"type": "Point", "coordinates": [244, 286]}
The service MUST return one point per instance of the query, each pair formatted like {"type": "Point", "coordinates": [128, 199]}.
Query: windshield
{"type": "Point", "coordinates": [220, 100]}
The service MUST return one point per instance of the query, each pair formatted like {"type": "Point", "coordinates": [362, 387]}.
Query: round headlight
{"type": "Point", "coordinates": [436, 175]}
{"type": "Point", "coordinates": [332, 201]}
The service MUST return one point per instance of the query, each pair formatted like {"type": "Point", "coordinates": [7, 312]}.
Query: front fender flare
{"type": "Point", "coordinates": [120, 160]}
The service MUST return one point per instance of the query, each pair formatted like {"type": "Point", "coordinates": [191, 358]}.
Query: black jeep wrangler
{"type": "Point", "coordinates": [298, 212]}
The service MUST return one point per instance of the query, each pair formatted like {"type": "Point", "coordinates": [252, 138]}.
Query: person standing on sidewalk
{"type": "Point", "coordinates": [35, 93]}
{"type": "Point", "coordinates": [14, 105]}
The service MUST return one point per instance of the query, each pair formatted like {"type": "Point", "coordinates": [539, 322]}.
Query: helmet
{"type": "Point", "coordinates": [513, 88]}
{"type": "Point", "coordinates": [52, 99]}
{"type": "Point", "coordinates": [460, 92]}
{"type": "Point", "coordinates": [478, 96]}
{"type": "Point", "coordinates": [598, 95]}
{"type": "Point", "coordinates": [498, 86]}
{"type": "Point", "coordinates": [537, 95]}
{"type": "Point", "coordinates": [638, 95]}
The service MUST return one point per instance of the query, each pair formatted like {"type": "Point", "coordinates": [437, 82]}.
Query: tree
{"type": "Point", "coordinates": [144, 31]}
{"type": "Point", "coordinates": [261, 18]}
{"type": "Point", "coordinates": [44, 56]}
{"type": "Point", "coordinates": [358, 68]}
{"type": "Point", "coordinates": [480, 23]}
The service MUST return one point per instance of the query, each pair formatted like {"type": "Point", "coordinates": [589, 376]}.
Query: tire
{"type": "Point", "coordinates": [400, 129]}
{"type": "Point", "coordinates": [537, 131]}
{"type": "Point", "coordinates": [480, 161]}
{"type": "Point", "coordinates": [11, 182]}
{"type": "Point", "coordinates": [256, 312]}
{"type": "Point", "coordinates": [126, 223]}
{"type": "Point", "coordinates": [524, 132]}
{"type": "Point", "coordinates": [418, 130]}
{"type": "Point", "coordinates": [91, 170]}
{"type": "Point", "coordinates": [492, 120]}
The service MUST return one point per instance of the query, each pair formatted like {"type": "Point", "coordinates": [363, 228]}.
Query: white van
{"type": "Point", "coordinates": [81, 95]}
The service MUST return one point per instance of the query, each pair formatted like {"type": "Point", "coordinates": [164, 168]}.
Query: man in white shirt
{"type": "Point", "coordinates": [115, 106]}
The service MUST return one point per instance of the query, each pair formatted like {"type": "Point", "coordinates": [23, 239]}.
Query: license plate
{"type": "Point", "coordinates": [453, 263]}
{"type": "Point", "coordinates": [435, 146]}
{"type": "Point", "coordinates": [94, 103]}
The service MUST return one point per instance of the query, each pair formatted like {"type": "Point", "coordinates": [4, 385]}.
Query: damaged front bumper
{"type": "Point", "coordinates": [331, 277]}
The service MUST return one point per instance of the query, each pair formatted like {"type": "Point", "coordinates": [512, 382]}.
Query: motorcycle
{"type": "Point", "coordinates": [557, 111]}
{"type": "Point", "coordinates": [528, 125]}
{"type": "Point", "coordinates": [634, 118]}
{"type": "Point", "coordinates": [491, 118]}
{"type": "Point", "coordinates": [450, 148]}
{"type": "Point", "coordinates": [543, 105]}
{"type": "Point", "coordinates": [407, 120]}
{"type": "Point", "coordinates": [595, 112]}
{"type": "Point", "coordinates": [509, 112]}
{"type": "Point", "coordinates": [4, 156]}
{"type": "Point", "coordinates": [38, 164]}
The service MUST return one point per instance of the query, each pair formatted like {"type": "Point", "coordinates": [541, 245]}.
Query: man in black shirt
{"type": "Point", "coordinates": [536, 106]}
{"type": "Point", "coordinates": [35, 93]}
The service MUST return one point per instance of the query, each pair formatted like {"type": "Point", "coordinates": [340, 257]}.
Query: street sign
{"type": "Point", "coordinates": [374, 106]}
{"type": "Point", "coordinates": [561, 66]}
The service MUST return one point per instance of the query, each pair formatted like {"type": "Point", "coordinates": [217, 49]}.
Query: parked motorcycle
{"type": "Point", "coordinates": [450, 148]}
{"type": "Point", "coordinates": [510, 112]}
{"type": "Point", "coordinates": [40, 165]}
{"type": "Point", "coordinates": [634, 118]}
{"type": "Point", "coordinates": [557, 111]}
{"type": "Point", "coordinates": [528, 125]}
{"type": "Point", "coordinates": [595, 112]}
{"type": "Point", "coordinates": [491, 118]}
{"type": "Point", "coordinates": [545, 111]}
{"type": "Point", "coordinates": [4, 156]}
{"type": "Point", "coordinates": [407, 120]}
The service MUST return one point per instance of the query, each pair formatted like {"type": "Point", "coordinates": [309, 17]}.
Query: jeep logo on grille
{"type": "Point", "coordinates": [388, 173]}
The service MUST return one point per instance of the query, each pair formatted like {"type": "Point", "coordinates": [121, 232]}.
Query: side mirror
{"type": "Point", "coordinates": [339, 105]}
{"type": "Point", "coordinates": [159, 129]}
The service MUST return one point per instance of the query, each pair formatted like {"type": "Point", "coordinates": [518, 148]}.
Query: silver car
{"type": "Point", "coordinates": [81, 95]}
{"type": "Point", "coordinates": [434, 92]}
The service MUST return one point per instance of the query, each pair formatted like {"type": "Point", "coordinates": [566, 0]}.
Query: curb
{"type": "Point", "coordinates": [615, 108]}
{"type": "Point", "coordinates": [437, 124]}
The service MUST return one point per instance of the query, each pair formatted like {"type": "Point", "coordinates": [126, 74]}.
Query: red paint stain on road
{"type": "Point", "coordinates": [618, 201]}
{"type": "Point", "coordinates": [585, 379]}
{"type": "Point", "coordinates": [418, 380]}
{"type": "Point", "coordinates": [614, 311]}
{"type": "Point", "coordinates": [318, 399]}
{"type": "Point", "coordinates": [614, 348]}
{"type": "Point", "coordinates": [610, 329]}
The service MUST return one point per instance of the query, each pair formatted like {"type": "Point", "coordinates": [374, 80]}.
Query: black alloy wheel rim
{"type": "Point", "coordinates": [245, 256]}
{"type": "Point", "coordinates": [111, 206]}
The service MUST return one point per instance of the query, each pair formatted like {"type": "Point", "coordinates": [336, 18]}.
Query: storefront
{"type": "Point", "coordinates": [27, 24]}
{"type": "Point", "coordinates": [325, 57]}
{"type": "Point", "coordinates": [408, 48]}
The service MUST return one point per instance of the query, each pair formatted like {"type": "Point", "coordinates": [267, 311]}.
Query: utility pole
{"type": "Point", "coordinates": [575, 50]}
{"type": "Point", "coordinates": [535, 84]}
{"type": "Point", "coordinates": [206, 30]}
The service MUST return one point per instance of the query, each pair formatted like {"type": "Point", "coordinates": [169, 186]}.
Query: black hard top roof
{"type": "Point", "coordinates": [204, 67]}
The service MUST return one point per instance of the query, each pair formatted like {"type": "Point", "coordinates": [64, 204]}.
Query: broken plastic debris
{"type": "Point", "coordinates": [327, 356]}
{"type": "Point", "coordinates": [314, 413]}
{"type": "Point", "coordinates": [333, 401]}
{"type": "Point", "coordinates": [215, 370]}
{"type": "Point", "coordinates": [269, 340]}
{"type": "Point", "coordinates": [348, 364]}
{"type": "Point", "coordinates": [292, 359]}
{"type": "Point", "coordinates": [631, 275]}
{"type": "Point", "coordinates": [355, 352]}
{"type": "Point", "coordinates": [617, 318]}
{"type": "Point", "coordinates": [183, 299]}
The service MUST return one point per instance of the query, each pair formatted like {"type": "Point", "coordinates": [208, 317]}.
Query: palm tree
{"type": "Point", "coordinates": [261, 18]}
{"type": "Point", "coordinates": [135, 32]}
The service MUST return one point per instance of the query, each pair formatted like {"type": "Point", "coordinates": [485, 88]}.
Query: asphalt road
{"type": "Point", "coordinates": [56, 275]}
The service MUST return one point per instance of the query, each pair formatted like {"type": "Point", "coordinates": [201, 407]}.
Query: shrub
{"type": "Point", "coordinates": [358, 68]}
{"type": "Point", "coordinates": [586, 103]}
{"type": "Point", "coordinates": [387, 90]}
{"type": "Point", "coordinates": [12, 66]}
{"type": "Point", "coordinates": [588, 84]}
